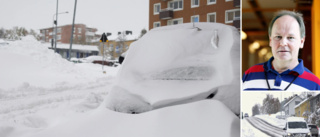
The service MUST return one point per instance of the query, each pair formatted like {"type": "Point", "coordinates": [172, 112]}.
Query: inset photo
{"type": "Point", "coordinates": [277, 114]}
{"type": "Point", "coordinates": [279, 45]}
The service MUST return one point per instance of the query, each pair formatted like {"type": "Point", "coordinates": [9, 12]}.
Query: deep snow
{"type": "Point", "coordinates": [42, 94]}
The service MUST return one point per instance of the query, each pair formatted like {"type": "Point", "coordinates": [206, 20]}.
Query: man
{"type": "Point", "coordinates": [283, 71]}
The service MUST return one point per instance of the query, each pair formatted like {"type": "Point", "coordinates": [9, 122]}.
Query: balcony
{"type": "Point", "coordinates": [166, 14]}
{"type": "Point", "coordinates": [236, 23]}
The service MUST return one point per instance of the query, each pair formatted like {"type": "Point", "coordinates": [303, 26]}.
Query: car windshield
{"type": "Point", "coordinates": [313, 126]}
{"type": "Point", "coordinates": [297, 125]}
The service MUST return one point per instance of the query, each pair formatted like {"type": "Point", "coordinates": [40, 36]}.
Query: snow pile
{"type": "Point", "coordinates": [177, 63]}
{"type": "Point", "coordinates": [189, 120]}
{"type": "Point", "coordinates": [27, 65]}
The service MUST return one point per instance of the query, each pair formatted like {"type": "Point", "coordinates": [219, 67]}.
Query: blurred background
{"type": "Point", "coordinates": [256, 15]}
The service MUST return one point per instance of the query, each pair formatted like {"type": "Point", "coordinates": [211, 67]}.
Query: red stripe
{"type": "Point", "coordinates": [310, 76]}
{"type": "Point", "coordinates": [255, 68]}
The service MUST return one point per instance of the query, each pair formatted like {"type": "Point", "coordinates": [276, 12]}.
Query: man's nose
{"type": "Point", "coordinates": [283, 42]}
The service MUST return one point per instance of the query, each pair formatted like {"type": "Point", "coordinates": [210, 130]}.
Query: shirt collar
{"type": "Point", "coordinates": [299, 68]}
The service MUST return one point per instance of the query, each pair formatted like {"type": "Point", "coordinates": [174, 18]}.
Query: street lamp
{"type": "Point", "coordinates": [55, 22]}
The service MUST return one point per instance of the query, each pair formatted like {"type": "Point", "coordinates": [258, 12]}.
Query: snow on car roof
{"type": "Point", "coordinates": [298, 119]}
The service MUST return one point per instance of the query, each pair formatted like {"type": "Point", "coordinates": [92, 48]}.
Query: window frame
{"type": "Point", "coordinates": [172, 20]}
{"type": "Point", "coordinates": [158, 22]}
{"type": "Point", "coordinates": [195, 6]}
{"type": "Point", "coordinates": [192, 20]}
{"type": "Point", "coordinates": [154, 8]}
{"type": "Point", "coordinates": [178, 5]}
{"type": "Point", "coordinates": [215, 16]}
{"type": "Point", "coordinates": [211, 3]}
{"type": "Point", "coordinates": [226, 15]}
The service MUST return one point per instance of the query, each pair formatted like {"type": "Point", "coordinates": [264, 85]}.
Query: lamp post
{"type": "Point", "coordinates": [54, 22]}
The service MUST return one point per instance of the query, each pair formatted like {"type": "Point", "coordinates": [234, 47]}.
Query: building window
{"type": "Point", "coordinates": [231, 15]}
{"type": "Point", "coordinates": [211, 17]}
{"type": "Point", "coordinates": [211, 2]}
{"type": "Point", "coordinates": [195, 18]}
{"type": "Point", "coordinates": [176, 5]}
{"type": "Point", "coordinates": [156, 24]}
{"type": "Point", "coordinates": [58, 37]}
{"type": "Point", "coordinates": [297, 102]}
{"type": "Point", "coordinates": [156, 8]}
{"type": "Point", "coordinates": [175, 21]}
{"type": "Point", "coordinates": [229, 0]}
{"type": "Point", "coordinates": [195, 3]}
{"type": "Point", "coordinates": [74, 30]}
{"type": "Point", "coordinates": [59, 30]}
{"type": "Point", "coordinates": [79, 30]}
{"type": "Point", "coordinates": [79, 37]}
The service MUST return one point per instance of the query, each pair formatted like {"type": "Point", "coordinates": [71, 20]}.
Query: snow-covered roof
{"type": "Point", "coordinates": [291, 101]}
{"type": "Point", "coordinates": [301, 102]}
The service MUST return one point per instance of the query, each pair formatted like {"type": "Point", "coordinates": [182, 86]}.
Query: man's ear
{"type": "Point", "coordinates": [270, 40]}
{"type": "Point", "coordinates": [302, 42]}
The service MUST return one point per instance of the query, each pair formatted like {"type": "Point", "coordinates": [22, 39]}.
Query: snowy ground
{"type": "Point", "coordinates": [247, 130]}
{"type": "Point", "coordinates": [39, 89]}
{"type": "Point", "coordinates": [42, 94]}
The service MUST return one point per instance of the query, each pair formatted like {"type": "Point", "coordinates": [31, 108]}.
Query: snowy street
{"type": "Point", "coordinates": [265, 127]}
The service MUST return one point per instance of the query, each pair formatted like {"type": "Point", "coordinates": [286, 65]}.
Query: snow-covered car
{"type": "Point", "coordinates": [75, 60]}
{"type": "Point", "coordinates": [296, 126]}
{"type": "Point", "coordinates": [181, 65]}
{"type": "Point", "coordinates": [314, 130]}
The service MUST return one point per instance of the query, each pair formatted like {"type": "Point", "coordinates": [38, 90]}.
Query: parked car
{"type": "Point", "coordinates": [296, 126]}
{"type": "Point", "coordinates": [314, 130]}
{"type": "Point", "coordinates": [246, 115]}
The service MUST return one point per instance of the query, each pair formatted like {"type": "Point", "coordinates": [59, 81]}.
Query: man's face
{"type": "Point", "coordinates": [285, 39]}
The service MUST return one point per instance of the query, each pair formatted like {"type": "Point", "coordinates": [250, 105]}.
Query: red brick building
{"type": "Point", "coordinates": [170, 12]}
{"type": "Point", "coordinates": [82, 34]}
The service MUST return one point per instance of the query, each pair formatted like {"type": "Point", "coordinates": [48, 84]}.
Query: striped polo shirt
{"type": "Point", "coordinates": [301, 79]}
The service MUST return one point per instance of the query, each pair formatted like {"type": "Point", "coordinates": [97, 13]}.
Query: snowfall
{"type": "Point", "coordinates": [44, 95]}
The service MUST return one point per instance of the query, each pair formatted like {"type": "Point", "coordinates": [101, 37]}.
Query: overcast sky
{"type": "Point", "coordinates": [105, 15]}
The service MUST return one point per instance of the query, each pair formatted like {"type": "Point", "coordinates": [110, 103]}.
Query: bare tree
{"type": "Point", "coordinates": [256, 110]}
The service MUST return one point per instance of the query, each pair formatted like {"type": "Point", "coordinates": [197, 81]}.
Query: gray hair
{"type": "Point", "coordinates": [296, 15]}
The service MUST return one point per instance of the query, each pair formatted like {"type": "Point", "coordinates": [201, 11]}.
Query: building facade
{"type": "Point", "coordinates": [81, 35]}
{"type": "Point", "coordinates": [116, 45]}
{"type": "Point", "coordinates": [303, 109]}
{"type": "Point", "coordinates": [171, 12]}
{"type": "Point", "coordinates": [289, 107]}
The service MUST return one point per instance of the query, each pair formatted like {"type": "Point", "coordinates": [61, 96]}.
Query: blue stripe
{"type": "Point", "coordinates": [259, 89]}
{"type": "Point", "coordinates": [306, 84]}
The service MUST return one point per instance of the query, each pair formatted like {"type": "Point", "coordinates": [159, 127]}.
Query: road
{"type": "Point", "coordinates": [265, 127]}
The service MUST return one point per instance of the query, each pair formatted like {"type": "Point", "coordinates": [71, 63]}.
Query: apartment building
{"type": "Point", "coordinates": [171, 12]}
{"type": "Point", "coordinates": [81, 35]}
